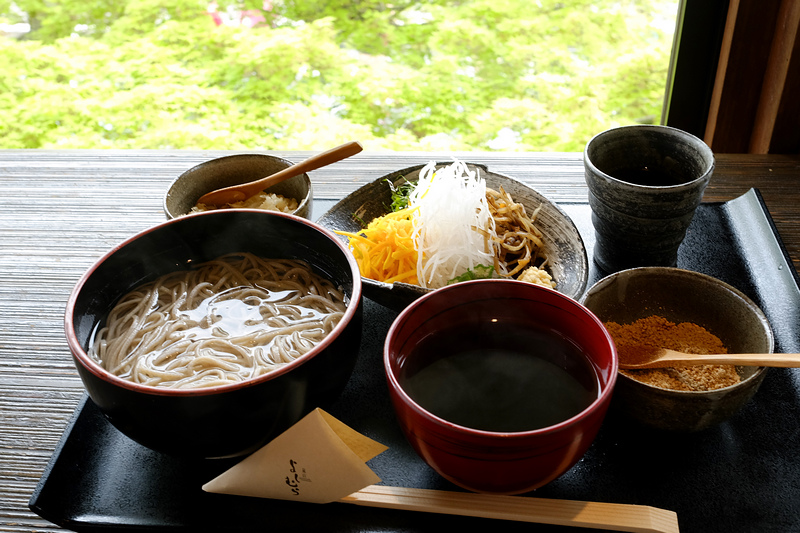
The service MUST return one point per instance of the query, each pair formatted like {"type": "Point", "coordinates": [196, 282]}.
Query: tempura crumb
{"type": "Point", "coordinates": [262, 200]}
{"type": "Point", "coordinates": [537, 276]}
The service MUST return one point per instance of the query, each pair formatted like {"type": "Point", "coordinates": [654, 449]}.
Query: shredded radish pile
{"type": "Point", "coordinates": [453, 228]}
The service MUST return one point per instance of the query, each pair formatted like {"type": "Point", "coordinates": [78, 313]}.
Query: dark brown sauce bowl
{"type": "Point", "coordinates": [229, 420]}
{"type": "Point", "coordinates": [499, 462]}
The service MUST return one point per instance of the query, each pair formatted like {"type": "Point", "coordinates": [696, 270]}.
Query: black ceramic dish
{"type": "Point", "coordinates": [227, 420]}
{"type": "Point", "coordinates": [564, 246]}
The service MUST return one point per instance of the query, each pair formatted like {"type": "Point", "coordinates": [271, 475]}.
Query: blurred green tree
{"type": "Point", "coordinates": [308, 74]}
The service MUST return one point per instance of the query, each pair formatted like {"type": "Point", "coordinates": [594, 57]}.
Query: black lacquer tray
{"type": "Point", "coordinates": [740, 476]}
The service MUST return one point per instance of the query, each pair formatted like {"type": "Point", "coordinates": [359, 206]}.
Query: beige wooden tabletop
{"type": "Point", "coordinates": [61, 210]}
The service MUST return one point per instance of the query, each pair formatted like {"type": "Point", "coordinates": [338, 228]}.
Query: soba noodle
{"type": "Point", "coordinates": [228, 320]}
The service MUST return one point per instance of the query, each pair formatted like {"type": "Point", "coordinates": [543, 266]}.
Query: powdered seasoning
{"type": "Point", "coordinates": [658, 332]}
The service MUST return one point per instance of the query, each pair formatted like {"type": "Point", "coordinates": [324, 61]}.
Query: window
{"type": "Point", "coordinates": [506, 75]}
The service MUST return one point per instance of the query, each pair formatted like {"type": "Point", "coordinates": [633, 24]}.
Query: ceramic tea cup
{"type": "Point", "coordinates": [645, 183]}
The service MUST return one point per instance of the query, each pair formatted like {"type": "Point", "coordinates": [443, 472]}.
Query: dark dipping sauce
{"type": "Point", "coordinates": [500, 377]}
{"type": "Point", "coordinates": [651, 176]}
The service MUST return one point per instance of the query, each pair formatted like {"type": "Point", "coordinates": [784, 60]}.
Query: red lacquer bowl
{"type": "Point", "coordinates": [490, 461]}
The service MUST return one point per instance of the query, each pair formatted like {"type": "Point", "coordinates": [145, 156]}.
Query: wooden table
{"type": "Point", "coordinates": [61, 210]}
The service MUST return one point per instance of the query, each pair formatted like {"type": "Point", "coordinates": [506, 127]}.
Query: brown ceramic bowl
{"type": "Point", "coordinates": [226, 171]}
{"type": "Point", "coordinates": [226, 420]}
{"type": "Point", "coordinates": [683, 296]}
{"type": "Point", "coordinates": [564, 245]}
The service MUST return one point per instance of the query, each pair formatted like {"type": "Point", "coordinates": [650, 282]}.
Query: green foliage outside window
{"type": "Point", "coordinates": [519, 75]}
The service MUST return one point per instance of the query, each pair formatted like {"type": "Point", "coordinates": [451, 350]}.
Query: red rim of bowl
{"type": "Point", "coordinates": [94, 367]}
{"type": "Point", "coordinates": [603, 396]}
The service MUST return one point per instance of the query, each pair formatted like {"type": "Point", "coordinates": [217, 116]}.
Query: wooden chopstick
{"type": "Point", "coordinates": [595, 515]}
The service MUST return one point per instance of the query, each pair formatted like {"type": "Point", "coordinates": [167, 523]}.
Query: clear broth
{"type": "Point", "coordinates": [500, 377]}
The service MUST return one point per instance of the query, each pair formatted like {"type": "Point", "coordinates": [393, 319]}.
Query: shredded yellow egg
{"type": "Point", "coordinates": [453, 227]}
{"type": "Point", "coordinates": [385, 250]}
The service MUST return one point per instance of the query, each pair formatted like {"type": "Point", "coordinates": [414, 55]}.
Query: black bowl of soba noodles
{"type": "Point", "coordinates": [208, 335]}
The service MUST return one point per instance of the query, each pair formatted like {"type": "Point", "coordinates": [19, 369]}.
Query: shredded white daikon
{"type": "Point", "coordinates": [453, 228]}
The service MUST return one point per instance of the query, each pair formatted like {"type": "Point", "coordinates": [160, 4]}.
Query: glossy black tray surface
{"type": "Point", "coordinates": [740, 476]}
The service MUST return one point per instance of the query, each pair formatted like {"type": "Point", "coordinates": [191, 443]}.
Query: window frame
{"type": "Point", "coordinates": [734, 75]}
{"type": "Point", "coordinates": [699, 29]}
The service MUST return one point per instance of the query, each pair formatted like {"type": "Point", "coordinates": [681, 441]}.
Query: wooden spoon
{"type": "Point", "coordinates": [237, 193]}
{"type": "Point", "coordinates": [633, 357]}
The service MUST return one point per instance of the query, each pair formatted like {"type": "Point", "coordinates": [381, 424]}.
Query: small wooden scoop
{"type": "Point", "coordinates": [237, 193]}
{"type": "Point", "coordinates": [633, 357]}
